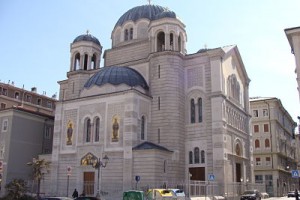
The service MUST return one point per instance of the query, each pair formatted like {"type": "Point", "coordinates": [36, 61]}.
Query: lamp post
{"type": "Point", "coordinates": [241, 181]}
{"type": "Point", "coordinates": [97, 165]}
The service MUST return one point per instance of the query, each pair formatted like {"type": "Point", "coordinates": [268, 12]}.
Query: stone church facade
{"type": "Point", "coordinates": [155, 111]}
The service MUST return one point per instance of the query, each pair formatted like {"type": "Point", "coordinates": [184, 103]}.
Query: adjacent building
{"type": "Point", "coordinates": [274, 146]}
{"type": "Point", "coordinates": [26, 131]}
{"type": "Point", "coordinates": [160, 115]}
{"type": "Point", "coordinates": [293, 36]}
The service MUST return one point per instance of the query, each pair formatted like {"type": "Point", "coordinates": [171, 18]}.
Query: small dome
{"type": "Point", "coordinates": [151, 12]}
{"type": "Point", "coordinates": [87, 37]}
{"type": "Point", "coordinates": [116, 75]}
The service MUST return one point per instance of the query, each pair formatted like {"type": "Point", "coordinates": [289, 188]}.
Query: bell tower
{"type": "Point", "coordinates": [85, 53]}
{"type": "Point", "coordinates": [85, 59]}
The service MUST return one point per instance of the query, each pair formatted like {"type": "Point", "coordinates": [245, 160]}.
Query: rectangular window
{"type": "Point", "coordinates": [158, 103]}
{"type": "Point", "coordinates": [2, 153]}
{"type": "Point", "coordinates": [258, 179]}
{"type": "Point", "coordinates": [255, 113]}
{"type": "Point", "coordinates": [48, 132]}
{"type": "Point", "coordinates": [265, 112]}
{"type": "Point", "coordinates": [4, 92]}
{"type": "Point", "coordinates": [258, 162]}
{"type": "Point", "coordinates": [73, 88]}
{"type": "Point", "coordinates": [268, 161]}
{"type": "Point", "coordinates": [5, 125]}
{"type": "Point", "coordinates": [49, 104]}
{"type": "Point", "coordinates": [266, 128]}
{"type": "Point", "coordinates": [2, 106]}
{"type": "Point", "coordinates": [158, 69]}
{"type": "Point", "coordinates": [256, 128]}
{"type": "Point", "coordinates": [158, 136]}
{"type": "Point", "coordinates": [28, 98]}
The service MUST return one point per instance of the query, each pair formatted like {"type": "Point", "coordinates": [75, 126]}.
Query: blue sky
{"type": "Point", "coordinates": [35, 38]}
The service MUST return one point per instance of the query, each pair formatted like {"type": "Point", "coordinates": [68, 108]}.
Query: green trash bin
{"type": "Point", "coordinates": [133, 195]}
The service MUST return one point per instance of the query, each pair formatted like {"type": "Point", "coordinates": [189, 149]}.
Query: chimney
{"type": "Point", "coordinates": [33, 89]}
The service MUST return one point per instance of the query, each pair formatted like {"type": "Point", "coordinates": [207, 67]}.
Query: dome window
{"type": "Point", "coordinates": [126, 35]}
{"type": "Point", "coordinates": [161, 41]}
{"type": "Point", "coordinates": [131, 34]}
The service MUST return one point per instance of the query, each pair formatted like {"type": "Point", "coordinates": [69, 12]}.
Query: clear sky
{"type": "Point", "coordinates": [35, 37]}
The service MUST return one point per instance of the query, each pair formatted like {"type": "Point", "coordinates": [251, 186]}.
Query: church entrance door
{"type": "Point", "coordinates": [88, 183]}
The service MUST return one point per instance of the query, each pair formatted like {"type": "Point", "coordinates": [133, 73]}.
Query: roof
{"type": "Point", "coordinates": [117, 75]}
{"type": "Point", "coordinates": [26, 110]}
{"type": "Point", "coordinates": [87, 37]}
{"type": "Point", "coordinates": [150, 12]}
{"type": "Point", "coordinates": [149, 145]}
{"type": "Point", "coordinates": [261, 98]}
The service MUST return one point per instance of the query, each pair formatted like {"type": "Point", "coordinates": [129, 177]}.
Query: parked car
{"type": "Point", "coordinates": [133, 195]}
{"type": "Point", "coordinates": [264, 195]}
{"type": "Point", "coordinates": [159, 194]}
{"type": "Point", "coordinates": [87, 198]}
{"type": "Point", "coordinates": [291, 194]}
{"type": "Point", "coordinates": [56, 198]}
{"type": "Point", "coordinates": [180, 195]}
{"type": "Point", "coordinates": [251, 195]}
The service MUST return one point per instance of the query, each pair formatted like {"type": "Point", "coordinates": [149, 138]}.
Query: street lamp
{"type": "Point", "coordinates": [97, 165]}
{"type": "Point", "coordinates": [247, 181]}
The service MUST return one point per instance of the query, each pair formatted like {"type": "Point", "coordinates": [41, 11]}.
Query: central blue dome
{"type": "Point", "coordinates": [151, 12]}
{"type": "Point", "coordinates": [116, 75]}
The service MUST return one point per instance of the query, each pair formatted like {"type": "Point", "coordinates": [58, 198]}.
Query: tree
{"type": "Point", "coordinates": [16, 189]}
{"type": "Point", "coordinates": [38, 167]}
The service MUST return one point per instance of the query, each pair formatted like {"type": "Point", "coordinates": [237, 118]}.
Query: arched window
{"type": "Point", "coordinates": [39, 101]}
{"type": "Point", "coordinates": [257, 145]}
{"type": "Point", "coordinates": [85, 62]}
{"type": "Point", "coordinates": [93, 62]}
{"type": "Point", "coordinates": [131, 34]}
{"type": "Point", "coordinates": [97, 129]}
{"type": "Point", "coordinates": [202, 156]}
{"type": "Point", "coordinates": [192, 111]}
{"type": "Point", "coordinates": [77, 62]}
{"type": "Point", "coordinates": [17, 95]}
{"type": "Point", "coordinates": [87, 130]}
{"type": "Point", "coordinates": [238, 149]}
{"type": "Point", "coordinates": [171, 41]}
{"type": "Point", "coordinates": [190, 157]}
{"type": "Point", "coordinates": [233, 87]}
{"type": "Point", "coordinates": [196, 154]}
{"type": "Point", "coordinates": [161, 41]}
{"type": "Point", "coordinates": [267, 143]}
{"type": "Point", "coordinates": [200, 110]}
{"type": "Point", "coordinates": [126, 35]}
{"type": "Point", "coordinates": [143, 128]}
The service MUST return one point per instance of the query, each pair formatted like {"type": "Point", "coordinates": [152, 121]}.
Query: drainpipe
{"type": "Point", "coordinates": [270, 133]}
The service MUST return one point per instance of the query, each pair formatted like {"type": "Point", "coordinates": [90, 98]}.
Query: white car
{"type": "Point", "coordinates": [180, 195]}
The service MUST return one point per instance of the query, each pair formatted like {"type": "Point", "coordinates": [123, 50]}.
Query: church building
{"type": "Point", "coordinates": [153, 116]}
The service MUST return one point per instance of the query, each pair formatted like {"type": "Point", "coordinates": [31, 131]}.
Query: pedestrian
{"type": "Point", "coordinates": [75, 194]}
{"type": "Point", "coordinates": [296, 194]}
